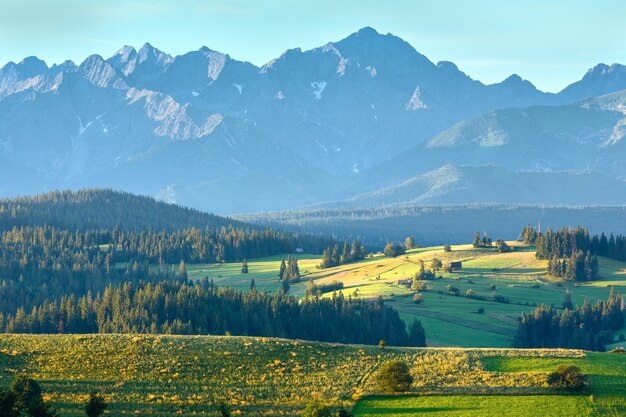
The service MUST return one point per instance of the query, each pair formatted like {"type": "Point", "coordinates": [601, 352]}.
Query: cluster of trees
{"type": "Point", "coordinates": [289, 272]}
{"type": "Point", "coordinates": [393, 250]}
{"type": "Point", "coordinates": [477, 242]}
{"type": "Point", "coordinates": [349, 253]}
{"type": "Point", "coordinates": [586, 327]}
{"type": "Point", "coordinates": [567, 241]}
{"type": "Point", "coordinates": [314, 289]}
{"type": "Point", "coordinates": [577, 267]}
{"type": "Point", "coordinates": [571, 253]}
{"type": "Point", "coordinates": [174, 307]}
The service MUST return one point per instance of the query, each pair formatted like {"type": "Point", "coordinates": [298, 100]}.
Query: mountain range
{"type": "Point", "coordinates": [365, 120]}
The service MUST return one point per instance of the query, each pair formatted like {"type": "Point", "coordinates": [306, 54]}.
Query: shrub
{"type": "Point", "coordinates": [470, 293]}
{"type": "Point", "coordinates": [418, 285]}
{"type": "Point", "coordinates": [447, 248]}
{"type": "Point", "coordinates": [394, 377]}
{"type": "Point", "coordinates": [500, 299]}
{"type": "Point", "coordinates": [96, 405]}
{"type": "Point", "coordinates": [342, 412]}
{"type": "Point", "coordinates": [316, 409]}
{"type": "Point", "coordinates": [418, 298]}
{"type": "Point", "coordinates": [568, 377]}
{"type": "Point", "coordinates": [481, 310]}
{"type": "Point", "coordinates": [492, 287]}
{"type": "Point", "coordinates": [452, 290]}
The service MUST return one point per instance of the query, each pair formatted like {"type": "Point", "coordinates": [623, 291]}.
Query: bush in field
{"type": "Point", "coordinates": [96, 405]}
{"type": "Point", "coordinates": [8, 404]}
{"type": "Point", "coordinates": [26, 390]}
{"type": "Point", "coordinates": [452, 290]}
{"type": "Point", "coordinates": [568, 377]}
{"type": "Point", "coordinates": [316, 409]}
{"type": "Point", "coordinates": [394, 376]}
{"type": "Point", "coordinates": [447, 248]}
{"type": "Point", "coordinates": [224, 409]}
{"type": "Point", "coordinates": [418, 298]}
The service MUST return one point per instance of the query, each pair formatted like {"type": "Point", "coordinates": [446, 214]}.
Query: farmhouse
{"type": "Point", "coordinates": [455, 266]}
{"type": "Point", "coordinates": [405, 282]}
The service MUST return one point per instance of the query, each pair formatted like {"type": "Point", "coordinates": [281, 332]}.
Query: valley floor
{"type": "Point", "coordinates": [449, 320]}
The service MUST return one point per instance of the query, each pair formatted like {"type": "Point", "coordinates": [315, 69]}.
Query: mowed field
{"type": "Point", "coordinates": [188, 375]}
{"type": "Point", "coordinates": [606, 375]}
{"type": "Point", "coordinates": [449, 320]}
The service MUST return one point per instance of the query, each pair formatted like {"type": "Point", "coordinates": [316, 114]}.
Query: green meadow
{"type": "Point", "coordinates": [449, 320]}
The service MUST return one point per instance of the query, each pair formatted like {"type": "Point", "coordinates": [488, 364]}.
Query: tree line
{"type": "Point", "coordinates": [175, 307]}
{"type": "Point", "coordinates": [584, 327]}
{"type": "Point", "coordinates": [566, 241]}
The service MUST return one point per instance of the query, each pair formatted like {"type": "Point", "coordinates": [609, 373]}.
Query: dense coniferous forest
{"type": "Point", "coordinates": [585, 327]}
{"type": "Point", "coordinates": [71, 243]}
{"type": "Point", "coordinates": [572, 253]}
{"type": "Point", "coordinates": [103, 209]}
{"type": "Point", "coordinates": [183, 307]}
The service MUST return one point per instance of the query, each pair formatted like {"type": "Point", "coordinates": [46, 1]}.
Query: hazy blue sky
{"type": "Point", "coordinates": [549, 42]}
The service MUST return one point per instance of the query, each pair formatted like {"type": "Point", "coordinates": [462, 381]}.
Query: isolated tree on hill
{"type": "Point", "coordinates": [96, 405]}
{"type": "Point", "coordinates": [335, 256]}
{"type": "Point", "coordinates": [477, 243]}
{"type": "Point", "coordinates": [345, 254]}
{"type": "Point", "coordinates": [447, 248]}
{"type": "Point", "coordinates": [244, 266]}
{"type": "Point", "coordinates": [567, 301]}
{"type": "Point", "coordinates": [394, 377]}
{"type": "Point", "coordinates": [283, 268]}
{"type": "Point", "coordinates": [182, 270]}
{"type": "Point", "coordinates": [486, 240]}
{"type": "Point", "coordinates": [252, 285]}
{"type": "Point", "coordinates": [409, 242]}
{"type": "Point", "coordinates": [327, 261]}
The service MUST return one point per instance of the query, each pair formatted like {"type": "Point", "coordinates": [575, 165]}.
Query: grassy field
{"type": "Point", "coordinates": [187, 375]}
{"type": "Point", "coordinates": [448, 320]}
{"type": "Point", "coordinates": [606, 375]}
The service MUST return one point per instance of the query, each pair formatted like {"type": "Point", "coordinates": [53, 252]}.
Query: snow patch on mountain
{"type": "Point", "coordinates": [415, 102]}
{"type": "Point", "coordinates": [318, 87]}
